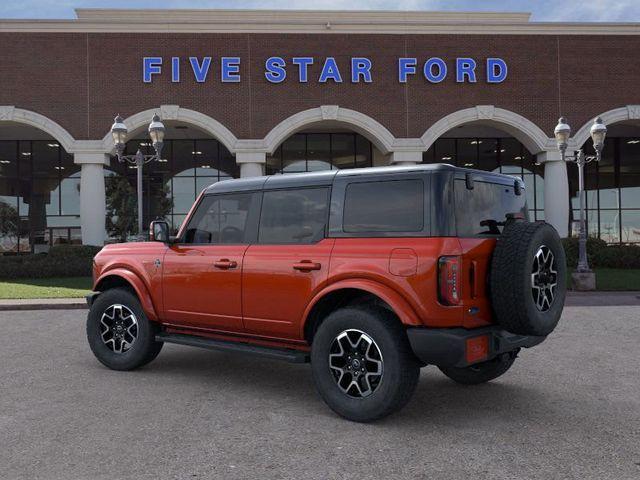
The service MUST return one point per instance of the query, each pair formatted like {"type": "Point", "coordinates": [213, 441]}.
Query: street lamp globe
{"type": "Point", "coordinates": [156, 132]}
{"type": "Point", "coordinates": [562, 133]}
{"type": "Point", "coordinates": [598, 132]}
{"type": "Point", "coordinates": [119, 133]}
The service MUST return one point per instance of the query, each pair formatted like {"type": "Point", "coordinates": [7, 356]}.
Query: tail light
{"type": "Point", "coordinates": [449, 280]}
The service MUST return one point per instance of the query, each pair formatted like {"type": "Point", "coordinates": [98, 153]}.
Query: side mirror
{"type": "Point", "coordinates": [159, 231]}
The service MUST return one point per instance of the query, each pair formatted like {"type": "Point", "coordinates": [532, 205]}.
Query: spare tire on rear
{"type": "Point", "coordinates": [528, 278]}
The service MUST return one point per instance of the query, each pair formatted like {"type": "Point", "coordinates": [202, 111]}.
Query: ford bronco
{"type": "Point", "coordinates": [369, 274]}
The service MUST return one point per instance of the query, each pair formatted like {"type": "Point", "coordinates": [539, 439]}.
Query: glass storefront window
{"type": "Point", "coordinates": [39, 192]}
{"type": "Point", "coordinates": [305, 152]}
{"type": "Point", "coordinates": [630, 224]}
{"type": "Point", "coordinates": [171, 185]}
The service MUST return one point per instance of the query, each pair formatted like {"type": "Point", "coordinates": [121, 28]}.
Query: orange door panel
{"type": "Point", "coordinates": [278, 283]}
{"type": "Point", "coordinates": [202, 286]}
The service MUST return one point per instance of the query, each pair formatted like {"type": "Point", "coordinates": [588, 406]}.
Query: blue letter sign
{"type": "Point", "coordinates": [323, 70]}
{"type": "Point", "coordinates": [428, 70]}
{"type": "Point", "coordinates": [330, 71]}
{"type": "Point", "coordinates": [360, 67]}
{"type": "Point", "coordinates": [151, 66]}
{"type": "Point", "coordinates": [200, 71]}
{"type": "Point", "coordinates": [303, 66]}
{"type": "Point", "coordinates": [275, 69]}
{"type": "Point", "coordinates": [496, 70]}
{"type": "Point", "coordinates": [230, 69]}
{"type": "Point", "coordinates": [406, 66]}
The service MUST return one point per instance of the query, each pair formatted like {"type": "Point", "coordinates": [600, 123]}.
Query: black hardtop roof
{"type": "Point", "coordinates": [326, 177]}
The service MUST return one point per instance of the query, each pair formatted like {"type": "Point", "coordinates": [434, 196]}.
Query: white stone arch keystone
{"type": "Point", "coordinates": [363, 124]}
{"type": "Point", "coordinates": [527, 132]}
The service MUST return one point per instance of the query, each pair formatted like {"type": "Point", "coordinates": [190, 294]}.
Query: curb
{"type": "Point", "coordinates": [43, 304]}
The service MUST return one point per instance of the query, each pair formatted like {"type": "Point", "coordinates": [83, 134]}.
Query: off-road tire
{"type": "Point", "coordinates": [400, 368]}
{"type": "Point", "coordinates": [511, 281]}
{"type": "Point", "coordinates": [143, 350]}
{"type": "Point", "coordinates": [480, 372]}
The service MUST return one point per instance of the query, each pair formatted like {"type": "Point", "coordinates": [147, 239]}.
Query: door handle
{"type": "Point", "coordinates": [225, 264]}
{"type": "Point", "coordinates": [306, 266]}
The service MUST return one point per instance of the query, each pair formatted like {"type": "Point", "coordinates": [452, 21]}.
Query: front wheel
{"type": "Point", "coordinates": [119, 333]}
{"type": "Point", "coordinates": [481, 372]}
{"type": "Point", "coordinates": [362, 364]}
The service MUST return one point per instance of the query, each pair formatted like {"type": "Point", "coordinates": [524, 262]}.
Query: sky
{"type": "Point", "coordinates": [542, 10]}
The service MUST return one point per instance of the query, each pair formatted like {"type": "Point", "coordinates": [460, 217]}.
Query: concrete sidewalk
{"type": "Point", "coordinates": [574, 299]}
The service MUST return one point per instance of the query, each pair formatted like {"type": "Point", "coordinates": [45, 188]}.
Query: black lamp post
{"type": "Point", "coordinates": [562, 133]}
{"type": "Point", "coordinates": [156, 132]}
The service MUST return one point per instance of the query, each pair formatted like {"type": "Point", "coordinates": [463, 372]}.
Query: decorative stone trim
{"type": "Point", "coordinates": [177, 113]}
{"type": "Point", "coordinates": [382, 138]}
{"type": "Point", "coordinates": [520, 127]}
{"type": "Point", "coordinates": [629, 112]}
{"type": "Point", "coordinates": [10, 113]}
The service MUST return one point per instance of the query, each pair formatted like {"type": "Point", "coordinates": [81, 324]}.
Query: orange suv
{"type": "Point", "coordinates": [369, 274]}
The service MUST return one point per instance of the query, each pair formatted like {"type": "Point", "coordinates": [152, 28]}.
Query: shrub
{"type": "Point", "coordinates": [599, 254]}
{"type": "Point", "coordinates": [61, 261]}
{"type": "Point", "coordinates": [618, 256]}
{"type": "Point", "coordinates": [571, 249]}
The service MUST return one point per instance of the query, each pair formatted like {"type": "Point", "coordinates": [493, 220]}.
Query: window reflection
{"type": "Point", "coordinates": [612, 191]}
{"type": "Point", "coordinates": [171, 186]}
{"type": "Point", "coordinates": [307, 152]}
{"type": "Point", "coordinates": [503, 155]}
{"type": "Point", "coordinates": [39, 196]}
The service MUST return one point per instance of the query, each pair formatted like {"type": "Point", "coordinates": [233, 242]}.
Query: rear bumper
{"type": "Point", "coordinates": [459, 347]}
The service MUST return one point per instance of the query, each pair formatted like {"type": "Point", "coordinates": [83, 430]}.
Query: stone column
{"type": "Point", "coordinates": [406, 158]}
{"type": "Point", "coordinates": [556, 191]}
{"type": "Point", "coordinates": [251, 163]}
{"type": "Point", "coordinates": [92, 197]}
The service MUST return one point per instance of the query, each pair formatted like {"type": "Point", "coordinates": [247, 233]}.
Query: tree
{"type": "Point", "coordinates": [122, 206]}
{"type": "Point", "coordinates": [9, 221]}
{"type": "Point", "coordinates": [122, 214]}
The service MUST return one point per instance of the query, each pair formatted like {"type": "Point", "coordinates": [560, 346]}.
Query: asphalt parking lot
{"type": "Point", "coordinates": [568, 409]}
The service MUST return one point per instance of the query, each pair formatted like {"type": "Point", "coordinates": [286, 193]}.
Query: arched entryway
{"type": "Point", "coordinates": [613, 185]}
{"type": "Point", "coordinates": [192, 159]}
{"type": "Point", "coordinates": [39, 184]}
{"type": "Point", "coordinates": [494, 139]}
{"type": "Point", "coordinates": [325, 138]}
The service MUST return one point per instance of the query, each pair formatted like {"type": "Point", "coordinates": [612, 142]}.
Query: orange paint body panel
{"type": "Point", "coordinates": [278, 283]}
{"type": "Point", "coordinates": [202, 286]}
{"type": "Point", "coordinates": [264, 293]}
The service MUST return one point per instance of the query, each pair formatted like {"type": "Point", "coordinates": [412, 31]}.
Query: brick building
{"type": "Point", "coordinates": [251, 92]}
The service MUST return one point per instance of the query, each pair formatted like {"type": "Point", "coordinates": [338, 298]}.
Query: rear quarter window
{"type": "Point", "coordinates": [384, 206]}
{"type": "Point", "coordinates": [479, 210]}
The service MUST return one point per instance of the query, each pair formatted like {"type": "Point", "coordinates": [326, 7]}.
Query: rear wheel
{"type": "Point", "coordinates": [362, 364]}
{"type": "Point", "coordinates": [481, 372]}
{"type": "Point", "coordinates": [119, 333]}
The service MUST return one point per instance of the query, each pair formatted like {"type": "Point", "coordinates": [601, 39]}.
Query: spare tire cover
{"type": "Point", "coordinates": [528, 278]}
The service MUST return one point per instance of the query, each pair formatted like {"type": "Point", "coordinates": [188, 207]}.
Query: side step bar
{"type": "Point", "coordinates": [288, 355]}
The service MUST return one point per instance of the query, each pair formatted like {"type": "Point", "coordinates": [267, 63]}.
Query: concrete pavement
{"type": "Point", "coordinates": [569, 408]}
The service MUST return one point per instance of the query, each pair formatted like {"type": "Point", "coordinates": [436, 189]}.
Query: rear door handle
{"type": "Point", "coordinates": [306, 266]}
{"type": "Point", "coordinates": [225, 264]}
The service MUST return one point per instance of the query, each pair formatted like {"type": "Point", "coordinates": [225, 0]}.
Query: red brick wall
{"type": "Point", "coordinates": [82, 80]}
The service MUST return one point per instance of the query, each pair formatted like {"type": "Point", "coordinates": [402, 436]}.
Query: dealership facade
{"type": "Point", "coordinates": [245, 93]}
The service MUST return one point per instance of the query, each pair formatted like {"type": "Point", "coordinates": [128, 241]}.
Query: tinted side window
{"type": "Point", "coordinates": [478, 210]}
{"type": "Point", "coordinates": [294, 216]}
{"type": "Point", "coordinates": [388, 206]}
{"type": "Point", "coordinates": [220, 219]}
